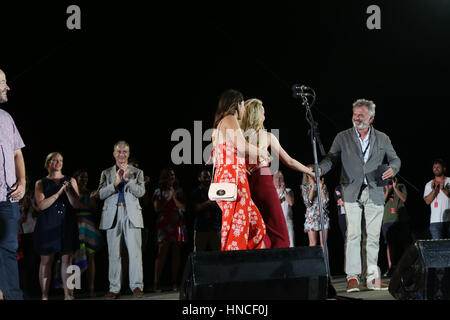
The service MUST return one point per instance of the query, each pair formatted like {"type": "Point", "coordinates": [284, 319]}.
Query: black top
{"type": "Point", "coordinates": [208, 219]}
{"type": "Point", "coordinates": [56, 227]}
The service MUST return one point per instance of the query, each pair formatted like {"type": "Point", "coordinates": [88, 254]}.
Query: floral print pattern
{"type": "Point", "coordinates": [242, 225]}
{"type": "Point", "coordinates": [312, 215]}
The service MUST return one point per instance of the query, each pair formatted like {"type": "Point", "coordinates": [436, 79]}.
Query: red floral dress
{"type": "Point", "coordinates": [242, 225]}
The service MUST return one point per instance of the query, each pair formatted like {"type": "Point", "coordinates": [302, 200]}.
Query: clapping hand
{"type": "Point", "coordinates": [170, 193]}
{"type": "Point", "coordinates": [394, 183]}
{"type": "Point", "coordinates": [122, 173]}
{"type": "Point", "coordinates": [435, 187]}
{"type": "Point", "coordinates": [126, 174]}
{"type": "Point", "coordinates": [62, 189]}
{"type": "Point", "coordinates": [67, 187]}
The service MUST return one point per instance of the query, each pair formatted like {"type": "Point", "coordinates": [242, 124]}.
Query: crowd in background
{"type": "Point", "coordinates": [192, 222]}
{"type": "Point", "coordinates": [141, 223]}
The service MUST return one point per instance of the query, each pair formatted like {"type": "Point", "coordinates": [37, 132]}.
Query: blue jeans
{"type": "Point", "coordinates": [9, 270]}
{"type": "Point", "coordinates": [440, 230]}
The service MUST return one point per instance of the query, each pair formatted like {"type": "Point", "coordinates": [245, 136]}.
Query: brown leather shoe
{"type": "Point", "coordinates": [112, 295]}
{"type": "Point", "coordinates": [138, 293]}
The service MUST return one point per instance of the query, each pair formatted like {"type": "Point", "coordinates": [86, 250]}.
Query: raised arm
{"type": "Point", "coordinates": [430, 193]}
{"type": "Point", "coordinates": [73, 194]}
{"type": "Point", "coordinates": [179, 202]}
{"type": "Point", "coordinates": [105, 189]}
{"type": "Point", "coordinates": [136, 185]}
{"type": "Point", "coordinates": [41, 201]}
{"type": "Point", "coordinates": [400, 191]}
{"type": "Point", "coordinates": [278, 151]}
{"type": "Point", "coordinates": [332, 156]}
{"type": "Point", "coordinates": [392, 158]}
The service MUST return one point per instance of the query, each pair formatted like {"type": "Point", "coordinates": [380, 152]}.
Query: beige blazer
{"type": "Point", "coordinates": [134, 189]}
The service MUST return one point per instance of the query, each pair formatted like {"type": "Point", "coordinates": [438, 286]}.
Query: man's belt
{"type": "Point", "coordinates": [121, 204]}
{"type": "Point", "coordinates": [361, 190]}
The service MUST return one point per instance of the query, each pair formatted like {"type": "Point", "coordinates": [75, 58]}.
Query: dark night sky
{"type": "Point", "coordinates": [138, 73]}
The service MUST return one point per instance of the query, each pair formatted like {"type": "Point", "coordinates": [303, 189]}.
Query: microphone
{"type": "Point", "coordinates": [297, 87]}
{"type": "Point", "coordinates": [305, 88]}
{"type": "Point", "coordinates": [298, 91]}
{"type": "Point", "coordinates": [301, 94]}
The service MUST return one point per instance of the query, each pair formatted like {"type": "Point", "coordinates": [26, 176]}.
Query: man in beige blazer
{"type": "Point", "coordinates": [121, 186]}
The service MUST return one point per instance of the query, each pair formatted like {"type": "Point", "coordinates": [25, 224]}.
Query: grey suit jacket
{"type": "Point", "coordinates": [346, 146]}
{"type": "Point", "coordinates": [133, 190]}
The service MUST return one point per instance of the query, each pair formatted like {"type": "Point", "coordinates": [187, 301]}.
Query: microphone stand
{"type": "Point", "coordinates": [315, 138]}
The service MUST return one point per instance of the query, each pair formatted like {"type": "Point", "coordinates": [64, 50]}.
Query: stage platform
{"type": "Point", "coordinates": [339, 283]}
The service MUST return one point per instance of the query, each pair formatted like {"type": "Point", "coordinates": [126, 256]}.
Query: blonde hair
{"type": "Point", "coordinates": [49, 157]}
{"type": "Point", "coordinates": [305, 179]}
{"type": "Point", "coordinates": [253, 116]}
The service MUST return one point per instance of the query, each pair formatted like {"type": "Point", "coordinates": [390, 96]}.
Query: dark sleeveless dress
{"type": "Point", "coordinates": [265, 196]}
{"type": "Point", "coordinates": [56, 227]}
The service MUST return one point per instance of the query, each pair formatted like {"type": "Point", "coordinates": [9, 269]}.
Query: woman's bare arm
{"type": "Point", "coordinates": [278, 151]}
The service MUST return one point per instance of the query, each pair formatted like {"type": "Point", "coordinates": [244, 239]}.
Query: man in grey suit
{"type": "Point", "coordinates": [121, 186]}
{"type": "Point", "coordinates": [362, 150]}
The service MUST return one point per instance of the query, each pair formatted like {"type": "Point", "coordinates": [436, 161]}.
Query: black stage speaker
{"type": "Point", "coordinates": [423, 272]}
{"type": "Point", "coordinates": [275, 274]}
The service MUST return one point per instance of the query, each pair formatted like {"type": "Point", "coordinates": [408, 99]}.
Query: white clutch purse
{"type": "Point", "coordinates": [222, 191]}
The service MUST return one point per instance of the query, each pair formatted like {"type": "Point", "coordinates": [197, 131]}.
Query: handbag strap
{"type": "Point", "coordinates": [217, 153]}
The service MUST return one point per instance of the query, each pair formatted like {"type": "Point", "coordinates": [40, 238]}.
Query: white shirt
{"type": "Point", "coordinates": [440, 206]}
{"type": "Point", "coordinates": [30, 222]}
{"type": "Point", "coordinates": [288, 214]}
{"type": "Point", "coordinates": [365, 144]}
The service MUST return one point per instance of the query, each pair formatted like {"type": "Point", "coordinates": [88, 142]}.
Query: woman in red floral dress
{"type": "Point", "coordinates": [242, 225]}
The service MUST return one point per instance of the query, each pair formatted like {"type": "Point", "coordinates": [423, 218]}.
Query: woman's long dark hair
{"type": "Point", "coordinates": [228, 104]}
{"type": "Point", "coordinates": [164, 179]}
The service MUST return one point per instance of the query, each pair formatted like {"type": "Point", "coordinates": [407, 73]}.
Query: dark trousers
{"type": "Point", "coordinates": [342, 224]}
{"type": "Point", "coordinates": [9, 270]}
{"type": "Point", "coordinates": [440, 230]}
{"type": "Point", "coordinates": [29, 267]}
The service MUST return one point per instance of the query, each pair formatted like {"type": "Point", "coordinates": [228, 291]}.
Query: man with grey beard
{"type": "Point", "coordinates": [362, 150]}
{"type": "Point", "coordinates": [12, 189]}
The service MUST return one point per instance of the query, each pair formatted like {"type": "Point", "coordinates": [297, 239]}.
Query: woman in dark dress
{"type": "Point", "coordinates": [260, 178]}
{"type": "Point", "coordinates": [56, 228]}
